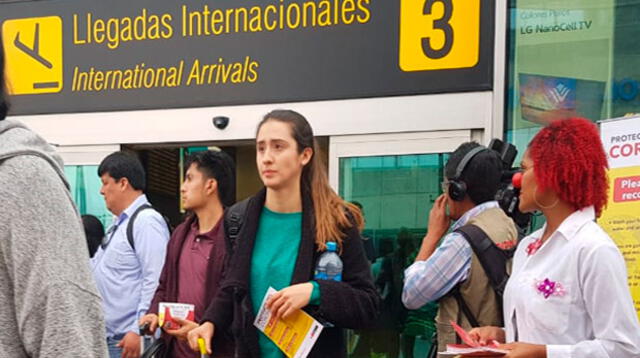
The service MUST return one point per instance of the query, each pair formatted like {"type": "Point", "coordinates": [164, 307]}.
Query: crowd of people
{"type": "Point", "coordinates": [567, 295]}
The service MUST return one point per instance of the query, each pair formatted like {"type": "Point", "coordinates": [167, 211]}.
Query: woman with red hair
{"type": "Point", "coordinates": [568, 294]}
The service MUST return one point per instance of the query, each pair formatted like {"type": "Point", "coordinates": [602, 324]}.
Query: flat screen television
{"type": "Point", "coordinates": [546, 98]}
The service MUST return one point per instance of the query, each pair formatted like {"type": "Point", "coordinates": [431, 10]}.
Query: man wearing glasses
{"type": "Point", "coordinates": [451, 273]}
{"type": "Point", "coordinates": [129, 261]}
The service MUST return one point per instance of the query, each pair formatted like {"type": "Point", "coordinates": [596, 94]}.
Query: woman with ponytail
{"type": "Point", "coordinates": [287, 226]}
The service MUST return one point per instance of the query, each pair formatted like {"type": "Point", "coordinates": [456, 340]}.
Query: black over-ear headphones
{"type": "Point", "coordinates": [458, 188]}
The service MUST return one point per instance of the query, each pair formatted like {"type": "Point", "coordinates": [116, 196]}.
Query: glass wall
{"type": "Point", "coordinates": [396, 194]}
{"type": "Point", "coordinates": [85, 191]}
{"type": "Point", "coordinates": [571, 58]}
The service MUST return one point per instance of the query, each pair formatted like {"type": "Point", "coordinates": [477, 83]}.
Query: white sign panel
{"type": "Point", "coordinates": [621, 140]}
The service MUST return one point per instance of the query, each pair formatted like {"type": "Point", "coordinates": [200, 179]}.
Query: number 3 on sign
{"type": "Point", "coordinates": [439, 34]}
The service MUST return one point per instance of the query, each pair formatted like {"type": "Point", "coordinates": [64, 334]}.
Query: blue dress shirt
{"type": "Point", "coordinates": [127, 278]}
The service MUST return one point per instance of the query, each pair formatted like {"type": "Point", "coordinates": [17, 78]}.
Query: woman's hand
{"type": "Point", "coordinates": [205, 331]}
{"type": "Point", "coordinates": [524, 350]}
{"type": "Point", "coordinates": [288, 300]}
{"type": "Point", "coordinates": [486, 335]}
{"type": "Point", "coordinates": [185, 327]}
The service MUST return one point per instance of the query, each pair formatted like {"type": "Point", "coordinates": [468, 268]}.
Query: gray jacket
{"type": "Point", "coordinates": [49, 305]}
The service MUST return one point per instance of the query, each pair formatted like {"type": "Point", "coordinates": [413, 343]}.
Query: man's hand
{"type": "Point", "coordinates": [439, 221]}
{"type": "Point", "coordinates": [288, 300]}
{"type": "Point", "coordinates": [152, 320]}
{"type": "Point", "coordinates": [485, 336]}
{"type": "Point", "coordinates": [130, 345]}
{"type": "Point", "coordinates": [524, 350]}
{"type": "Point", "coordinates": [437, 226]}
{"type": "Point", "coordinates": [205, 331]}
{"type": "Point", "coordinates": [185, 327]}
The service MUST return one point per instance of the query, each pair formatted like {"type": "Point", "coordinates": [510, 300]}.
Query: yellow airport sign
{"type": "Point", "coordinates": [439, 34]}
{"type": "Point", "coordinates": [33, 53]}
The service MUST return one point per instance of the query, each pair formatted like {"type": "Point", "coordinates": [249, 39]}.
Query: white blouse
{"type": "Point", "coordinates": [572, 294]}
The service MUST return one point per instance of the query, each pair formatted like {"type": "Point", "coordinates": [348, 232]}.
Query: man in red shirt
{"type": "Point", "coordinates": [196, 252]}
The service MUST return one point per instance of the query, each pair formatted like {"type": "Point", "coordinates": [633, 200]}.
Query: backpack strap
{"type": "Point", "coordinates": [465, 308]}
{"type": "Point", "coordinates": [493, 261]}
{"type": "Point", "coordinates": [492, 258]}
{"type": "Point", "coordinates": [233, 220]}
{"type": "Point", "coordinates": [130, 223]}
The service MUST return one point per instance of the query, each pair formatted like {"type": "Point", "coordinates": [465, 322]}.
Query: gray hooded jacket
{"type": "Point", "coordinates": [49, 305]}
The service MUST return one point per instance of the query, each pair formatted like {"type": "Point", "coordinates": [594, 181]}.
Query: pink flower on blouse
{"type": "Point", "coordinates": [550, 288]}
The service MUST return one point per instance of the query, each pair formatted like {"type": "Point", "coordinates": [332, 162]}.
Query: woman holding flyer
{"type": "Point", "coordinates": [287, 226]}
{"type": "Point", "coordinates": [568, 294]}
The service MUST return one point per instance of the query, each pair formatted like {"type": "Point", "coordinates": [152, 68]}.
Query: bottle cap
{"type": "Point", "coordinates": [331, 246]}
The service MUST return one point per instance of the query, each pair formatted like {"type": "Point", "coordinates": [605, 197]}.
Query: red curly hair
{"type": "Point", "coordinates": [568, 158]}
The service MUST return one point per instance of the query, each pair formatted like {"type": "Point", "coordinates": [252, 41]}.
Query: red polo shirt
{"type": "Point", "coordinates": [192, 274]}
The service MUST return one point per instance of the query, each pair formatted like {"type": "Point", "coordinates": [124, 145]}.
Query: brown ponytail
{"type": "Point", "coordinates": [332, 214]}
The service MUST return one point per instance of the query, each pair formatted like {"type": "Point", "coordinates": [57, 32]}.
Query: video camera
{"type": "Point", "coordinates": [508, 195]}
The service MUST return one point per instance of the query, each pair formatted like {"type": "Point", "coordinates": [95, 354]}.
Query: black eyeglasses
{"type": "Point", "coordinates": [108, 236]}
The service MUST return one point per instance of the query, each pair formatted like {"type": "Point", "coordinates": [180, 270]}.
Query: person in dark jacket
{"type": "Point", "coordinates": [287, 226]}
{"type": "Point", "coordinates": [94, 231]}
{"type": "Point", "coordinates": [196, 252]}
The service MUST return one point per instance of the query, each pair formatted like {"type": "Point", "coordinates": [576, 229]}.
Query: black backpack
{"type": "Point", "coordinates": [233, 220]}
{"type": "Point", "coordinates": [494, 261]}
{"type": "Point", "coordinates": [133, 218]}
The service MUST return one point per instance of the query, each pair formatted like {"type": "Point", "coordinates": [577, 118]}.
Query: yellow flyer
{"type": "Point", "coordinates": [295, 336]}
{"type": "Point", "coordinates": [621, 218]}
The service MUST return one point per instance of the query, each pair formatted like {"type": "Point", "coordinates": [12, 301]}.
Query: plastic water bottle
{"type": "Point", "coordinates": [329, 264]}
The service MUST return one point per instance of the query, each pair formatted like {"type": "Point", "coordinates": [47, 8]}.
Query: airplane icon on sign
{"type": "Point", "coordinates": [33, 49]}
{"type": "Point", "coordinates": [34, 52]}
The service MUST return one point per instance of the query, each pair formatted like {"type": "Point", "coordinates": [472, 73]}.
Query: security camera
{"type": "Point", "coordinates": [221, 122]}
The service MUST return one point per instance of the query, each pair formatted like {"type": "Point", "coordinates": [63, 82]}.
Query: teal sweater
{"type": "Point", "coordinates": [274, 257]}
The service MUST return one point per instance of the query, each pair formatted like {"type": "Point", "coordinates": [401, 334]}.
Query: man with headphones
{"type": "Point", "coordinates": [451, 273]}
